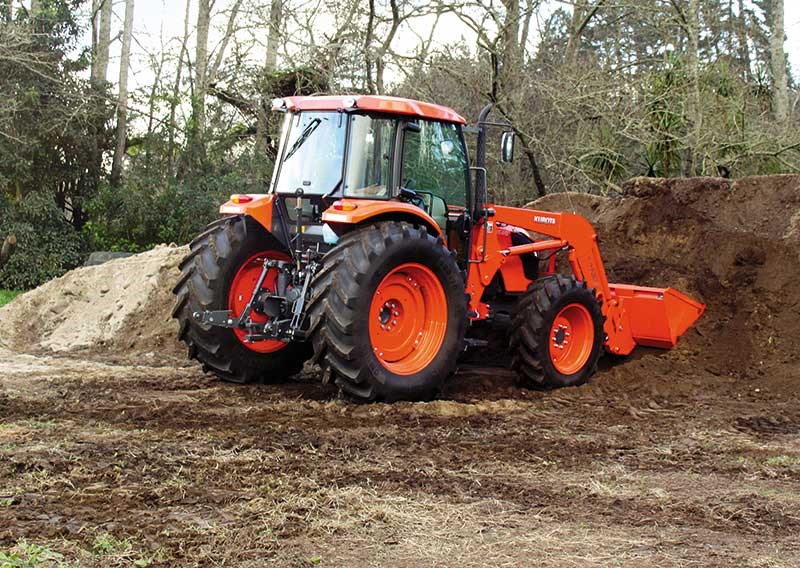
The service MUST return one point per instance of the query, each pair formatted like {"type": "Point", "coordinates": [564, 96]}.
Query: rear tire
{"type": "Point", "coordinates": [404, 279]}
{"type": "Point", "coordinates": [215, 259]}
{"type": "Point", "coordinates": [557, 334]}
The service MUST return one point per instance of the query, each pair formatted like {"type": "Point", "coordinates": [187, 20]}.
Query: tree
{"type": "Point", "coordinates": [780, 97]}
{"type": "Point", "coordinates": [183, 54]}
{"type": "Point", "coordinates": [273, 34]}
{"type": "Point", "coordinates": [122, 100]}
{"type": "Point", "coordinates": [197, 127]}
{"type": "Point", "coordinates": [101, 40]}
{"type": "Point", "coordinates": [582, 14]}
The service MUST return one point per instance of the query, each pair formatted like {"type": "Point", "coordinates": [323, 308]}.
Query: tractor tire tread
{"type": "Point", "coordinates": [337, 300]}
{"type": "Point", "coordinates": [530, 326]}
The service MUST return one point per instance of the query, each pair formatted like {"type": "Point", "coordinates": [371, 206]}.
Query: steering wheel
{"type": "Point", "coordinates": [410, 183]}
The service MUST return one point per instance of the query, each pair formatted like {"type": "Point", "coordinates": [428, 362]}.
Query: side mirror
{"type": "Point", "coordinates": [507, 147]}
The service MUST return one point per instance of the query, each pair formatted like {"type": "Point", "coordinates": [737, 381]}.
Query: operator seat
{"type": "Point", "coordinates": [436, 207]}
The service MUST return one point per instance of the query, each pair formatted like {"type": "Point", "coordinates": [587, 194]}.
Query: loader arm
{"type": "Point", "coordinates": [633, 314]}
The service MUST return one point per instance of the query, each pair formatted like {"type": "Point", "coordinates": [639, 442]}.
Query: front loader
{"type": "Point", "coordinates": [375, 250]}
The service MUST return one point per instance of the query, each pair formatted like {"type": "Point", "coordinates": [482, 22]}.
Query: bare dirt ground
{"type": "Point", "coordinates": [114, 450]}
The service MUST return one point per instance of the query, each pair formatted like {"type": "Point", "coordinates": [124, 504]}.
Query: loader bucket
{"type": "Point", "coordinates": [657, 316]}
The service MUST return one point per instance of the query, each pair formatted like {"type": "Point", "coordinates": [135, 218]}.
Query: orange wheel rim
{"type": "Point", "coordinates": [408, 319]}
{"type": "Point", "coordinates": [241, 291]}
{"type": "Point", "coordinates": [571, 339]}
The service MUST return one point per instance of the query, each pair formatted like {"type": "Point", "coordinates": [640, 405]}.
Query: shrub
{"type": "Point", "coordinates": [47, 245]}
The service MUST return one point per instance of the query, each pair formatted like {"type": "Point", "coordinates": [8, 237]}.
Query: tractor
{"type": "Point", "coordinates": [375, 251]}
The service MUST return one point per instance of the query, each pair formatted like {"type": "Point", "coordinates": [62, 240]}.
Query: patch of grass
{"type": "Point", "coordinates": [113, 548]}
{"type": "Point", "coordinates": [106, 544]}
{"type": "Point", "coordinates": [7, 295]}
{"type": "Point", "coordinates": [28, 555]}
{"type": "Point", "coordinates": [782, 461]}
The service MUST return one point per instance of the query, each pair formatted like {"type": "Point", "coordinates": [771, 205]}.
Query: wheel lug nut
{"type": "Point", "coordinates": [396, 314]}
{"type": "Point", "coordinates": [394, 322]}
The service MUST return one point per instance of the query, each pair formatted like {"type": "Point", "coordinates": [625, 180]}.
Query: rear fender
{"type": "Point", "coordinates": [348, 213]}
{"type": "Point", "coordinates": [258, 206]}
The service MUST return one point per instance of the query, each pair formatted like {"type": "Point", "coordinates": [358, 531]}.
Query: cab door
{"type": "Point", "coordinates": [434, 165]}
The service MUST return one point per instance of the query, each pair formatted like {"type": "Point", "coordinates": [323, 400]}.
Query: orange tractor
{"type": "Point", "coordinates": [375, 251]}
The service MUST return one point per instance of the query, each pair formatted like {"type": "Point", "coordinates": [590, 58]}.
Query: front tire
{"type": "Point", "coordinates": [388, 313]}
{"type": "Point", "coordinates": [219, 273]}
{"type": "Point", "coordinates": [557, 334]}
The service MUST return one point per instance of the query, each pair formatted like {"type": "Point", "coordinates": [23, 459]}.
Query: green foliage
{"type": "Point", "coordinates": [149, 208]}
{"type": "Point", "coordinates": [5, 297]}
{"type": "Point", "coordinates": [29, 555]}
{"type": "Point", "coordinates": [52, 122]}
{"type": "Point", "coordinates": [665, 119]}
{"type": "Point", "coordinates": [106, 544]}
{"type": "Point", "coordinates": [47, 245]}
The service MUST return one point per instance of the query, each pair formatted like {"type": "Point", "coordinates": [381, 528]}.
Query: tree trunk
{"type": "Point", "coordinates": [152, 106]}
{"type": "Point", "coordinates": [223, 45]}
{"type": "Point", "coordinates": [200, 68]}
{"type": "Point", "coordinates": [195, 154]}
{"type": "Point", "coordinates": [176, 86]}
{"type": "Point", "coordinates": [368, 48]}
{"type": "Point", "coordinates": [102, 14]}
{"type": "Point", "coordinates": [780, 94]}
{"type": "Point", "coordinates": [507, 92]}
{"type": "Point", "coordinates": [122, 101]}
{"type": "Point", "coordinates": [270, 65]}
{"type": "Point", "coordinates": [273, 34]}
{"type": "Point", "coordinates": [582, 14]}
{"type": "Point", "coordinates": [510, 53]}
{"type": "Point", "coordinates": [744, 48]}
{"type": "Point", "coordinates": [695, 110]}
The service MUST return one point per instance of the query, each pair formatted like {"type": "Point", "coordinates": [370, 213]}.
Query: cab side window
{"type": "Point", "coordinates": [434, 160]}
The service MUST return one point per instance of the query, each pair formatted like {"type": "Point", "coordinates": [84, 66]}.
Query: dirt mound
{"type": "Point", "coordinates": [122, 306]}
{"type": "Point", "coordinates": [730, 244]}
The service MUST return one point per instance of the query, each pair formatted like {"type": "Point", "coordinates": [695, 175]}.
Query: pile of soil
{"type": "Point", "coordinates": [734, 245]}
{"type": "Point", "coordinates": [121, 307]}
{"type": "Point", "coordinates": [730, 244]}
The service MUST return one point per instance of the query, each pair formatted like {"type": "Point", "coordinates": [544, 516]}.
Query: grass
{"type": "Point", "coordinates": [7, 295]}
{"type": "Point", "coordinates": [29, 555]}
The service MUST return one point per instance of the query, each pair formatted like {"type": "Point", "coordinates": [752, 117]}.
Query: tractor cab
{"type": "Point", "coordinates": [349, 152]}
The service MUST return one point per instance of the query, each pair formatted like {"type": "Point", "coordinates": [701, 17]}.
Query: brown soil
{"type": "Point", "coordinates": [123, 451]}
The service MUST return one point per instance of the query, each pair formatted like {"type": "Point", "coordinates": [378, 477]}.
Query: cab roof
{"type": "Point", "coordinates": [375, 103]}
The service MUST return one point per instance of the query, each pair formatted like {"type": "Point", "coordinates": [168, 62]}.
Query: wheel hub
{"type": "Point", "coordinates": [561, 335]}
{"type": "Point", "coordinates": [241, 288]}
{"type": "Point", "coordinates": [571, 338]}
{"type": "Point", "coordinates": [408, 319]}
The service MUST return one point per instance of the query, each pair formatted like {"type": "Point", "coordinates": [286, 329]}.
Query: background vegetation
{"type": "Point", "coordinates": [598, 91]}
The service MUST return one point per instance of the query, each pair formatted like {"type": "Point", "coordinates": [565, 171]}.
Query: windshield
{"type": "Point", "coordinates": [313, 150]}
